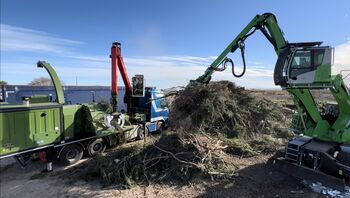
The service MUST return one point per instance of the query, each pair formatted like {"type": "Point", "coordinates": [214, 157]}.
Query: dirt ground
{"type": "Point", "coordinates": [255, 178]}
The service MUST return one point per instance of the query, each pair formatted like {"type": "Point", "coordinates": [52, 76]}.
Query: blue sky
{"type": "Point", "coordinates": [170, 42]}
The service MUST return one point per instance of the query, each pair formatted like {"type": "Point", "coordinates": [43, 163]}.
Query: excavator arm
{"type": "Point", "coordinates": [267, 24]}
{"type": "Point", "coordinates": [300, 68]}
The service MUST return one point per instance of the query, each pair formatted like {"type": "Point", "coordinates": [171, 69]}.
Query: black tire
{"type": "Point", "coordinates": [141, 134]}
{"type": "Point", "coordinates": [71, 154]}
{"type": "Point", "coordinates": [95, 147]}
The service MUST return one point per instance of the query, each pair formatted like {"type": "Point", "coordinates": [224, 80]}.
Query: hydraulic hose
{"type": "Point", "coordinates": [223, 66]}
{"type": "Point", "coordinates": [241, 46]}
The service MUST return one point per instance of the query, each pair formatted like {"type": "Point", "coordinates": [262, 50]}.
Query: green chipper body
{"type": "Point", "coordinates": [25, 127]}
{"type": "Point", "coordinates": [38, 123]}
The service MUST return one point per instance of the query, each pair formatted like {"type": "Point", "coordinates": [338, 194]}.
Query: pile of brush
{"type": "Point", "coordinates": [250, 125]}
{"type": "Point", "coordinates": [209, 124]}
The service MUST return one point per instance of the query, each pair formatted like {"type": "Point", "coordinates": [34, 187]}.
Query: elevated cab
{"type": "Point", "coordinates": [304, 65]}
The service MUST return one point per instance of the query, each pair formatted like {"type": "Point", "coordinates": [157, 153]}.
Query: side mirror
{"type": "Point", "coordinates": [138, 86]}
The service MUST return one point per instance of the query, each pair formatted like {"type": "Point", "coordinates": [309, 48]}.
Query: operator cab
{"type": "Point", "coordinates": [304, 64]}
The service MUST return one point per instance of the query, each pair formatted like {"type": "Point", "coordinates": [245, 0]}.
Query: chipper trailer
{"type": "Point", "coordinates": [55, 129]}
{"type": "Point", "coordinates": [323, 144]}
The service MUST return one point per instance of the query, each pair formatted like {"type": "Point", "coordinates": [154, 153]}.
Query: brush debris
{"type": "Point", "coordinates": [210, 124]}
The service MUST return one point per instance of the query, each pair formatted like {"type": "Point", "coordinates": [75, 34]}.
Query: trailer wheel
{"type": "Point", "coordinates": [160, 126]}
{"type": "Point", "coordinates": [141, 134]}
{"type": "Point", "coordinates": [96, 146]}
{"type": "Point", "coordinates": [71, 154]}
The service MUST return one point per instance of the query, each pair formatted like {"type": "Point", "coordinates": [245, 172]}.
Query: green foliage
{"type": "Point", "coordinates": [41, 81]}
{"type": "Point", "coordinates": [223, 108]}
{"type": "Point", "coordinates": [131, 165]}
{"type": "Point", "coordinates": [240, 147]}
{"type": "Point", "coordinates": [83, 123]}
{"type": "Point", "coordinates": [3, 82]}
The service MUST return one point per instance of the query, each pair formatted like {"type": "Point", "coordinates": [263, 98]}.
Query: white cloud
{"type": "Point", "coordinates": [176, 60]}
{"type": "Point", "coordinates": [255, 62]}
{"type": "Point", "coordinates": [166, 71]}
{"type": "Point", "coordinates": [253, 78]}
{"type": "Point", "coordinates": [176, 70]}
{"type": "Point", "coordinates": [342, 60]}
{"type": "Point", "coordinates": [90, 58]}
{"type": "Point", "coordinates": [23, 39]}
{"type": "Point", "coordinates": [160, 71]}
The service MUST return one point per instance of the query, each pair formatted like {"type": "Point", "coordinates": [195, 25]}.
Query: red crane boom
{"type": "Point", "coordinates": [118, 62]}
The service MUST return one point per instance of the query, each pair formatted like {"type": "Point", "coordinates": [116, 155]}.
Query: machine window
{"type": "Point", "coordinates": [302, 59]}
{"type": "Point", "coordinates": [163, 103]}
{"type": "Point", "coordinates": [318, 57]}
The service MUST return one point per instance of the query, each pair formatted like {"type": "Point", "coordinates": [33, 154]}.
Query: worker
{"type": "Point", "coordinates": [49, 155]}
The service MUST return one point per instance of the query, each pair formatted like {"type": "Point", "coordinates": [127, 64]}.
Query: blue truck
{"type": "Point", "coordinates": [155, 107]}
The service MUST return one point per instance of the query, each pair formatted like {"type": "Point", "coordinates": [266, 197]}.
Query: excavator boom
{"type": "Point", "coordinates": [266, 23]}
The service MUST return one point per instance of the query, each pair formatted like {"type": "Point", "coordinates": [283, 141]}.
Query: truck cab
{"type": "Point", "coordinates": [155, 107]}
